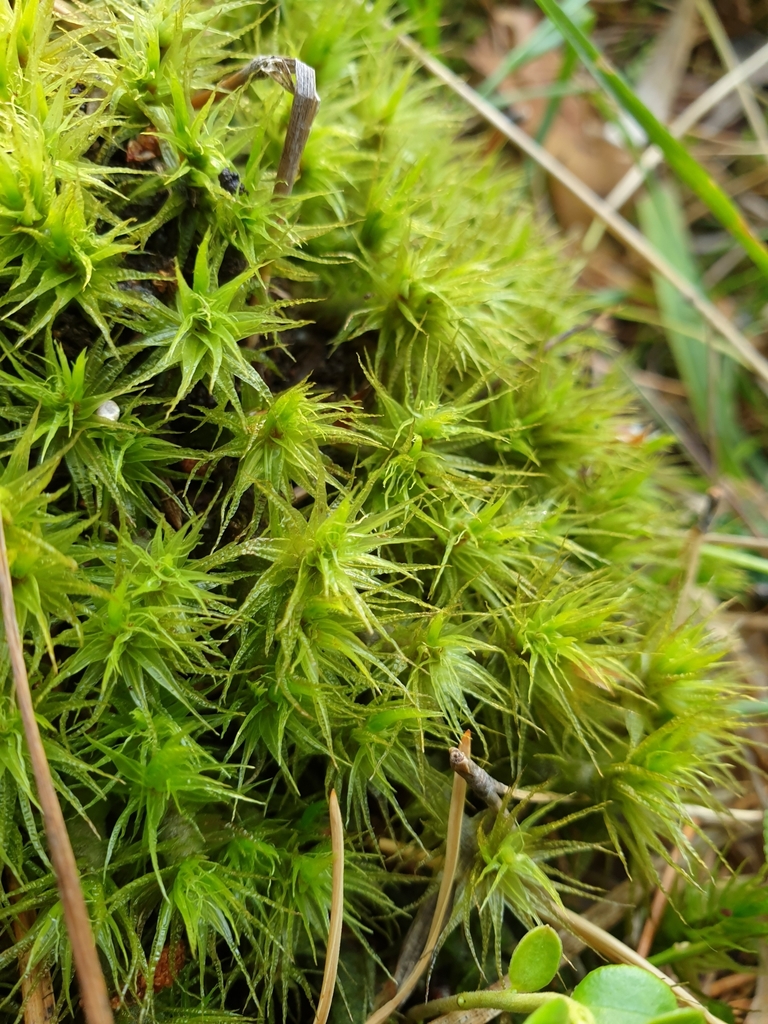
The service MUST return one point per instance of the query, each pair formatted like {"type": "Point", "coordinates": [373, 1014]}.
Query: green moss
{"type": "Point", "coordinates": [352, 504]}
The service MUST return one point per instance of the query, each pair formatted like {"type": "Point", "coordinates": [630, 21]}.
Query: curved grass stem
{"type": "Point", "coordinates": [93, 987]}
{"type": "Point", "coordinates": [337, 913]}
{"type": "Point", "coordinates": [452, 846]}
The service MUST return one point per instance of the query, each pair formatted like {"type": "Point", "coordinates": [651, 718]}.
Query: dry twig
{"type": "Point", "coordinates": [482, 783]}
{"type": "Point", "coordinates": [697, 534]}
{"type": "Point", "coordinates": [93, 987]}
{"type": "Point", "coordinates": [337, 913]}
{"type": "Point", "coordinates": [727, 54]}
{"type": "Point", "coordinates": [758, 1013]}
{"type": "Point", "coordinates": [303, 109]}
{"type": "Point", "coordinates": [452, 847]}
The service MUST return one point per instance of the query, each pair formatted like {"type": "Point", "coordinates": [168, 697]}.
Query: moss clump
{"type": "Point", "coordinates": [294, 493]}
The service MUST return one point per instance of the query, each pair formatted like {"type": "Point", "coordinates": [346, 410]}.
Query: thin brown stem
{"type": "Point", "coordinates": [38, 1000]}
{"type": "Point", "coordinates": [697, 534]}
{"type": "Point", "coordinates": [337, 913]}
{"type": "Point", "coordinates": [652, 157]}
{"type": "Point", "coordinates": [93, 987]}
{"type": "Point", "coordinates": [303, 111]}
{"type": "Point", "coordinates": [452, 847]}
{"type": "Point", "coordinates": [661, 898]}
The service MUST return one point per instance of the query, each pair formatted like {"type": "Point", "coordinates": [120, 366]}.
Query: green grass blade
{"type": "Point", "coordinates": [733, 556]}
{"type": "Point", "coordinates": [675, 153]}
{"type": "Point", "coordinates": [709, 377]}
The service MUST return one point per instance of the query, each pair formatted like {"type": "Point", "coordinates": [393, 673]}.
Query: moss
{"type": "Point", "coordinates": [352, 504]}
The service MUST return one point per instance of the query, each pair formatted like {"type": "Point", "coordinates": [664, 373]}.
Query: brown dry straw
{"type": "Point", "coordinates": [93, 988]}
{"type": "Point", "coordinates": [337, 913]}
{"type": "Point", "coordinates": [452, 846]}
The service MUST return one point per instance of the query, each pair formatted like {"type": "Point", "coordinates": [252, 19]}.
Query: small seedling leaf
{"type": "Point", "coordinates": [624, 995]}
{"type": "Point", "coordinates": [535, 960]}
{"type": "Point", "coordinates": [555, 1012]}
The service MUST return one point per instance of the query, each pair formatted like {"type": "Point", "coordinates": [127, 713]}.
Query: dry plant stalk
{"type": "Point", "coordinates": [737, 541]}
{"type": "Point", "coordinates": [489, 789]}
{"type": "Point", "coordinates": [38, 1000]}
{"type": "Point", "coordinates": [303, 109]}
{"type": "Point", "coordinates": [683, 123]}
{"type": "Point", "coordinates": [337, 913]}
{"type": "Point", "coordinates": [697, 534]}
{"type": "Point", "coordinates": [661, 898]}
{"type": "Point", "coordinates": [452, 846]}
{"type": "Point", "coordinates": [616, 224]}
{"type": "Point", "coordinates": [758, 1013]}
{"type": "Point", "coordinates": [727, 55]}
{"type": "Point", "coordinates": [93, 987]}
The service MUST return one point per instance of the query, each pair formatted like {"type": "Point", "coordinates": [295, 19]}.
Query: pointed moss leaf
{"type": "Point", "coordinates": [535, 960]}
{"type": "Point", "coordinates": [555, 1012]}
{"type": "Point", "coordinates": [624, 995]}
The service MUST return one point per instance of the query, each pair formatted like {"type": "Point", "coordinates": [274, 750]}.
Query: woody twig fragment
{"type": "Point", "coordinates": [295, 77]}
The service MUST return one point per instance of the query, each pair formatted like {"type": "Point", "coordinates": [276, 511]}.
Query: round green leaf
{"type": "Point", "coordinates": [624, 995]}
{"type": "Point", "coordinates": [555, 1012]}
{"type": "Point", "coordinates": [535, 960]}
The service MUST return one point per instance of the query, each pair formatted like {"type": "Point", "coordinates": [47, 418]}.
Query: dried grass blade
{"type": "Point", "coordinates": [727, 54]}
{"type": "Point", "coordinates": [695, 545]}
{"type": "Point", "coordinates": [652, 157]}
{"type": "Point", "coordinates": [303, 109]}
{"type": "Point", "coordinates": [668, 59]}
{"type": "Point", "coordinates": [661, 898]}
{"type": "Point", "coordinates": [93, 987]}
{"type": "Point", "coordinates": [676, 155]}
{"type": "Point", "coordinates": [337, 913]}
{"type": "Point", "coordinates": [452, 846]}
{"type": "Point", "coordinates": [758, 1013]}
{"type": "Point", "coordinates": [618, 226]}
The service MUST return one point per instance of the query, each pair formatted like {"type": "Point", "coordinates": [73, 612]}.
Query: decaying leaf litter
{"type": "Point", "coordinates": [242, 585]}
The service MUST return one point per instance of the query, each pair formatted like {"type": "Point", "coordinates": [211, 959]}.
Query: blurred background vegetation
{"type": "Point", "coordinates": [700, 70]}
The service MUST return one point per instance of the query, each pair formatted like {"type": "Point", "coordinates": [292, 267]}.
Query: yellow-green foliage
{"type": "Point", "coordinates": [252, 586]}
